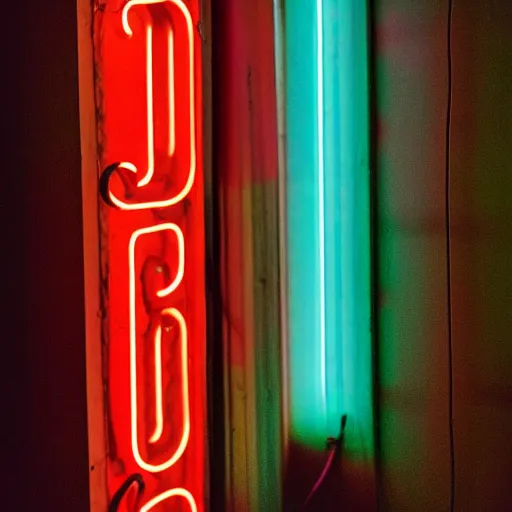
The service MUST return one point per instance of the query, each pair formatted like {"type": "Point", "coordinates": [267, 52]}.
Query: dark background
{"type": "Point", "coordinates": [44, 435]}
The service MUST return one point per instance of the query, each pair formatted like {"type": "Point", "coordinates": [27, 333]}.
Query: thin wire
{"type": "Point", "coordinates": [318, 483]}
{"type": "Point", "coordinates": [136, 478]}
{"type": "Point", "coordinates": [334, 445]}
{"type": "Point", "coordinates": [448, 256]}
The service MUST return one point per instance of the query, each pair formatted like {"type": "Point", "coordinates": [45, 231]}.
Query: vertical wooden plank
{"type": "Point", "coordinates": [245, 141]}
{"type": "Point", "coordinates": [266, 236]}
{"type": "Point", "coordinates": [231, 142]}
{"type": "Point", "coordinates": [95, 390]}
{"type": "Point", "coordinates": [411, 88]}
{"type": "Point", "coordinates": [481, 220]}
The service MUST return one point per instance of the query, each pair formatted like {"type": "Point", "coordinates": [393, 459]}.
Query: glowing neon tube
{"type": "Point", "coordinates": [173, 312]}
{"type": "Point", "coordinates": [328, 221]}
{"type": "Point", "coordinates": [191, 140]}
{"type": "Point", "coordinates": [149, 89]}
{"type": "Point", "coordinates": [151, 73]}
{"type": "Point", "coordinates": [167, 495]}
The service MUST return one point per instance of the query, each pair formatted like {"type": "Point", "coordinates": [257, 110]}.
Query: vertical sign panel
{"type": "Point", "coordinates": [148, 70]}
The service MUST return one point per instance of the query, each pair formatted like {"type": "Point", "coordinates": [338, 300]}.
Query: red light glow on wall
{"type": "Point", "coordinates": [148, 59]}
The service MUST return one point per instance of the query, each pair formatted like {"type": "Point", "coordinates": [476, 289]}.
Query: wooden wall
{"type": "Point", "coordinates": [411, 79]}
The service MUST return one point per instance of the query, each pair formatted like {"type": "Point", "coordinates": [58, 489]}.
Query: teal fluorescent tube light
{"type": "Point", "coordinates": [327, 222]}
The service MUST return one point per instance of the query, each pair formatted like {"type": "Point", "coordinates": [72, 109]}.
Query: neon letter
{"type": "Point", "coordinates": [185, 189]}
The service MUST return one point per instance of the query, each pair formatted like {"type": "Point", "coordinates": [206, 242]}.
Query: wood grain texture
{"type": "Point", "coordinates": [245, 163]}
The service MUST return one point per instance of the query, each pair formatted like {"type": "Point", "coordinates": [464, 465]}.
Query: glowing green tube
{"type": "Point", "coordinates": [328, 221]}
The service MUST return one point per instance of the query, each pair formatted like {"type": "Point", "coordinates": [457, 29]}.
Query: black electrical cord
{"type": "Point", "coordinates": [334, 446]}
{"type": "Point", "coordinates": [136, 478]}
{"type": "Point", "coordinates": [104, 184]}
{"type": "Point", "coordinates": [448, 254]}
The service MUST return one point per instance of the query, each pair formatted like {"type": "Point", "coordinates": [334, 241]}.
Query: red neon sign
{"type": "Point", "coordinates": [149, 82]}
